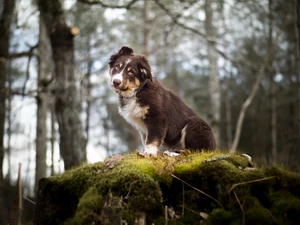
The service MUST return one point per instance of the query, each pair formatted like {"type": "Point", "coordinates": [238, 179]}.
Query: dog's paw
{"type": "Point", "coordinates": [185, 152]}
{"type": "Point", "coordinates": [141, 154]}
{"type": "Point", "coordinates": [151, 150]}
{"type": "Point", "coordinates": [172, 154]}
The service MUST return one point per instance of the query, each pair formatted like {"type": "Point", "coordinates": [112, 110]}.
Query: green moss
{"type": "Point", "coordinates": [238, 161]}
{"type": "Point", "coordinates": [286, 207]}
{"type": "Point", "coordinates": [285, 179]}
{"type": "Point", "coordinates": [146, 185]}
{"type": "Point", "coordinates": [77, 181]}
{"type": "Point", "coordinates": [89, 208]}
{"type": "Point", "coordinates": [140, 192]}
{"type": "Point", "coordinates": [259, 216]}
{"type": "Point", "coordinates": [156, 168]}
{"type": "Point", "coordinates": [220, 217]}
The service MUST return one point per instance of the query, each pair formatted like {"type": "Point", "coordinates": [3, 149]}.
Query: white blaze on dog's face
{"type": "Point", "coordinates": [123, 78]}
{"type": "Point", "coordinates": [128, 71]}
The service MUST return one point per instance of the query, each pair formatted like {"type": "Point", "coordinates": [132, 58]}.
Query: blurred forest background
{"type": "Point", "coordinates": [235, 62]}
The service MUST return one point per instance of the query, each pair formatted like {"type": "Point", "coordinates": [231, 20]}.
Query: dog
{"type": "Point", "coordinates": [159, 115]}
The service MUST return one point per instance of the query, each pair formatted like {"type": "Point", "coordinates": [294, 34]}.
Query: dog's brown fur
{"type": "Point", "coordinates": [158, 114]}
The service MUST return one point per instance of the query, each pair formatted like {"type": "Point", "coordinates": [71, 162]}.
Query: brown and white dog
{"type": "Point", "coordinates": [158, 114]}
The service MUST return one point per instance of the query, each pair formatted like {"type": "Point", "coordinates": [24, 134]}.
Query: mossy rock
{"type": "Point", "coordinates": [130, 187]}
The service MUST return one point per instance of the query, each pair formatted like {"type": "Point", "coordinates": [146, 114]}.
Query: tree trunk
{"type": "Point", "coordinates": [147, 29]}
{"type": "Point", "coordinates": [88, 88]}
{"type": "Point", "coordinates": [297, 36]}
{"type": "Point", "coordinates": [53, 137]}
{"type": "Point", "coordinates": [273, 118]}
{"type": "Point", "coordinates": [5, 21]}
{"type": "Point", "coordinates": [67, 106]}
{"type": "Point", "coordinates": [272, 91]}
{"type": "Point", "coordinates": [228, 114]}
{"type": "Point", "coordinates": [42, 105]}
{"type": "Point", "coordinates": [214, 83]}
{"type": "Point", "coordinates": [8, 119]}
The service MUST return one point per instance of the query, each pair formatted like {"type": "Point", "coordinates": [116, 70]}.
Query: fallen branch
{"type": "Point", "coordinates": [240, 207]}
{"type": "Point", "coordinates": [197, 190]}
{"type": "Point", "coordinates": [249, 182]}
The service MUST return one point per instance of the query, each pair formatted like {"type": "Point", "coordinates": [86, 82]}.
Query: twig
{"type": "Point", "coordinates": [166, 215]}
{"type": "Point", "coordinates": [192, 211]}
{"type": "Point", "coordinates": [249, 182]}
{"type": "Point", "coordinates": [29, 200]}
{"type": "Point", "coordinates": [183, 200]}
{"type": "Point", "coordinates": [105, 5]}
{"type": "Point", "coordinates": [275, 221]}
{"type": "Point", "coordinates": [130, 186]}
{"type": "Point", "coordinates": [198, 190]}
{"type": "Point", "coordinates": [240, 206]}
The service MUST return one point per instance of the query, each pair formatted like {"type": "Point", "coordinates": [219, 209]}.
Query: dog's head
{"type": "Point", "coordinates": [128, 71]}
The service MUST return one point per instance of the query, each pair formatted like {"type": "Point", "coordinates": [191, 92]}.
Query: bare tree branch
{"type": "Point", "coordinates": [106, 5]}
{"type": "Point", "coordinates": [248, 101]}
{"type": "Point", "coordinates": [28, 53]}
{"type": "Point", "coordinates": [175, 19]}
{"type": "Point", "coordinates": [28, 67]}
{"type": "Point", "coordinates": [22, 54]}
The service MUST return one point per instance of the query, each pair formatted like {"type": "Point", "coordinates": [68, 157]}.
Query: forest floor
{"type": "Point", "coordinates": [207, 187]}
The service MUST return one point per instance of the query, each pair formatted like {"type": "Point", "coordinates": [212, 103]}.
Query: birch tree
{"type": "Point", "coordinates": [214, 83]}
{"type": "Point", "coordinates": [147, 29]}
{"type": "Point", "coordinates": [6, 13]}
{"type": "Point", "coordinates": [42, 104]}
{"type": "Point", "coordinates": [67, 106]}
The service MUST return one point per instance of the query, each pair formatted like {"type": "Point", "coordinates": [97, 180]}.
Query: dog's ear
{"type": "Point", "coordinates": [122, 52]}
{"type": "Point", "coordinates": [125, 51]}
{"type": "Point", "coordinates": [145, 69]}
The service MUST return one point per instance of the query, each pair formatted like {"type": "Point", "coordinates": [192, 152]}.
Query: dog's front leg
{"type": "Point", "coordinates": [143, 137]}
{"type": "Point", "coordinates": [154, 138]}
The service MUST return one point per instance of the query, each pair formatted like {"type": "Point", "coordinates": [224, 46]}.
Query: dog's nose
{"type": "Point", "coordinates": [116, 82]}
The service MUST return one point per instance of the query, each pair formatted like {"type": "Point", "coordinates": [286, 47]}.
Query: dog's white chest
{"type": "Point", "coordinates": [134, 114]}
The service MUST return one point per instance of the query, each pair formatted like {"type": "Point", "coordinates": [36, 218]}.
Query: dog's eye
{"type": "Point", "coordinates": [129, 70]}
{"type": "Point", "coordinates": [119, 66]}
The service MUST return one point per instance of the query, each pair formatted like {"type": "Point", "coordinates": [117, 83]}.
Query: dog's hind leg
{"type": "Point", "coordinates": [197, 135]}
